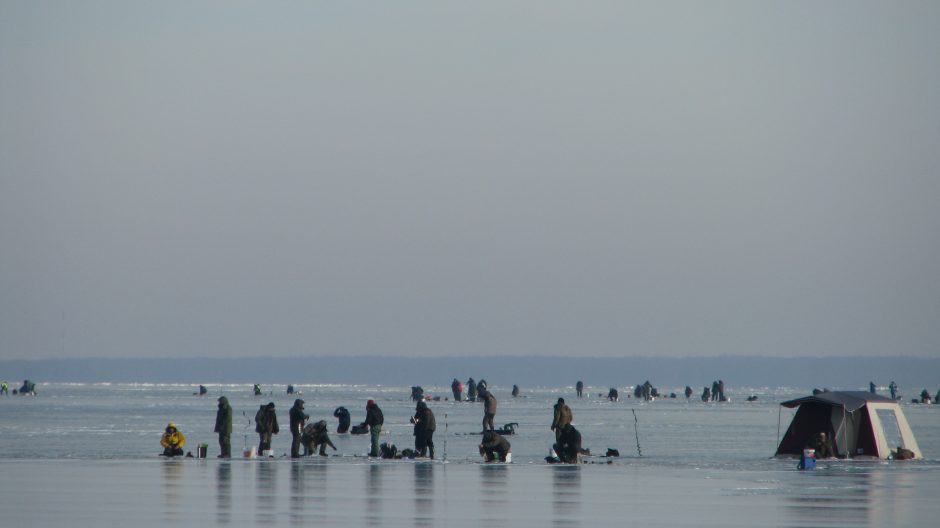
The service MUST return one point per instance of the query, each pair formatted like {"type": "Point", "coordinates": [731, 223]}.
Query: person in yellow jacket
{"type": "Point", "coordinates": [172, 441]}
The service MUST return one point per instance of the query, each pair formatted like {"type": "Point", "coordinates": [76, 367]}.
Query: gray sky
{"type": "Point", "coordinates": [469, 178]}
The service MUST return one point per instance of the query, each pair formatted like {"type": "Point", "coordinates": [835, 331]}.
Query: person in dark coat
{"type": "Point", "coordinates": [457, 389]}
{"type": "Point", "coordinates": [568, 446]}
{"type": "Point", "coordinates": [579, 386]}
{"type": "Point", "coordinates": [489, 410]}
{"type": "Point", "coordinates": [706, 395]}
{"type": "Point", "coordinates": [266, 426]}
{"type": "Point", "coordinates": [316, 436]}
{"type": "Point", "coordinates": [481, 386]}
{"type": "Point", "coordinates": [562, 417]}
{"type": "Point", "coordinates": [223, 426]}
{"type": "Point", "coordinates": [714, 391]}
{"type": "Point", "coordinates": [494, 447]}
{"type": "Point", "coordinates": [203, 390]}
{"type": "Point", "coordinates": [924, 396]}
{"type": "Point", "coordinates": [688, 392]}
{"type": "Point", "coordinates": [721, 391]}
{"type": "Point", "coordinates": [424, 430]}
{"type": "Point", "coordinates": [471, 390]}
{"type": "Point", "coordinates": [613, 395]}
{"type": "Point", "coordinates": [374, 419]}
{"type": "Point", "coordinates": [297, 421]}
{"type": "Point", "coordinates": [515, 391]}
{"type": "Point", "coordinates": [343, 415]}
{"type": "Point", "coordinates": [871, 387]}
{"type": "Point", "coordinates": [893, 387]}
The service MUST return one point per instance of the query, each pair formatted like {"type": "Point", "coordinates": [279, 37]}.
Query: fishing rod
{"type": "Point", "coordinates": [636, 430]}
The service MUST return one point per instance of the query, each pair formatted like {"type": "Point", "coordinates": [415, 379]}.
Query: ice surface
{"type": "Point", "coordinates": [85, 455]}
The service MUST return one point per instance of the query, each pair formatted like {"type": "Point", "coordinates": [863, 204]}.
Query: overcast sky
{"type": "Point", "coordinates": [469, 178]}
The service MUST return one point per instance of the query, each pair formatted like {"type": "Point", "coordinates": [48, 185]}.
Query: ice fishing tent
{"type": "Point", "coordinates": [860, 424]}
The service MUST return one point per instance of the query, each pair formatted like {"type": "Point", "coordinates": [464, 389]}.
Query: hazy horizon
{"type": "Point", "coordinates": [666, 179]}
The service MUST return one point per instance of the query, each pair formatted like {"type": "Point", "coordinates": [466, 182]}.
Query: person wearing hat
{"type": "Point", "coordinates": [316, 437]}
{"type": "Point", "coordinates": [297, 420]}
{"type": "Point", "coordinates": [374, 419]}
{"type": "Point", "coordinates": [223, 426]}
{"type": "Point", "coordinates": [266, 426]}
{"type": "Point", "coordinates": [172, 441]}
{"type": "Point", "coordinates": [562, 417]}
{"type": "Point", "coordinates": [424, 430]}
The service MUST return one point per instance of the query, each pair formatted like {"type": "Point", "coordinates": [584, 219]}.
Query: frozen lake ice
{"type": "Point", "coordinates": [84, 455]}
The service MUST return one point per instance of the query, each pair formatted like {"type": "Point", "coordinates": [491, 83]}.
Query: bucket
{"type": "Point", "coordinates": [252, 452]}
{"type": "Point", "coordinates": [202, 450]}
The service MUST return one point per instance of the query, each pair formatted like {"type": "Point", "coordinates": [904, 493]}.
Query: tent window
{"type": "Point", "coordinates": [890, 423]}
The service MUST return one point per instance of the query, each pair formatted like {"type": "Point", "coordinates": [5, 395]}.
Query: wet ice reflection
{"type": "Point", "coordinates": [566, 495]}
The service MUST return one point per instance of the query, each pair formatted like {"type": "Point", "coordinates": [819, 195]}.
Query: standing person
{"type": "Point", "coordinates": [515, 391]}
{"type": "Point", "coordinates": [456, 388]}
{"type": "Point", "coordinates": [471, 390]}
{"type": "Point", "coordinates": [223, 426]}
{"type": "Point", "coordinates": [714, 390]}
{"type": "Point", "coordinates": [489, 410]}
{"type": "Point", "coordinates": [343, 415]}
{"type": "Point", "coordinates": [706, 395]}
{"type": "Point", "coordinates": [297, 421]}
{"type": "Point", "coordinates": [579, 386]}
{"type": "Point", "coordinates": [374, 419]}
{"type": "Point", "coordinates": [562, 417]}
{"type": "Point", "coordinates": [893, 387]}
{"type": "Point", "coordinates": [424, 430]}
{"type": "Point", "coordinates": [721, 391]}
{"type": "Point", "coordinates": [871, 387]}
{"type": "Point", "coordinates": [266, 426]}
{"type": "Point", "coordinates": [688, 392]}
{"type": "Point", "coordinates": [4, 388]}
{"type": "Point", "coordinates": [172, 441]}
{"type": "Point", "coordinates": [494, 447]}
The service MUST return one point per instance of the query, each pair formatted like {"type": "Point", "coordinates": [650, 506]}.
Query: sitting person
{"type": "Point", "coordinates": [315, 435]}
{"type": "Point", "coordinates": [494, 447]}
{"type": "Point", "coordinates": [172, 441]}
{"type": "Point", "coordinates": [569, 445]}
{"type": "Point", "coordinates": [822, 445]}
{"type": "Point", "coordinates": [342, 414]}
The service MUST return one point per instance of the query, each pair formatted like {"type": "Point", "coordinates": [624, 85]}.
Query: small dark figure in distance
{"type": "Point", "coordinates": [893, 387]}
{"type": "Point", "coordinates": [457, 388]}
{"type": "Point", "coordinates": [257, 389]}
{"type": "Point", "coordinates": [203, 390]}
{"type": "Point", "coordinates": [471, 390]}
{"type": "Point", "coordinates": [688, 392]}
{"type": "Point", "coordinates": [579, 386]}
{"type": "Point", "coordinates": [871, 387]}
{"type": "Point", "coordinates": [706, 395]}
{"type": "Point", "coordinates": [343, 415]}
{"type": "Point", "coordinates": [515, 391]}
{"type": "Point", "coordinates": [494, 447]}
{"type": "Point", "coordinates": [172, 441]}
{"type": "Point", "coordinates": [290, 389]}
{"type": "Point", "coordinates": [613, 395]}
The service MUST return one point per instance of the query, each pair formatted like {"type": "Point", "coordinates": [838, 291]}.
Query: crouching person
{"type": "Point", "coordinates": [316, 436]}
{"type": "Point", "coordinates": [172, 441]}
{"type": "Point", "coordinates": [568, 446]}
{"type": "Point", "coordinates": [495, 447]}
